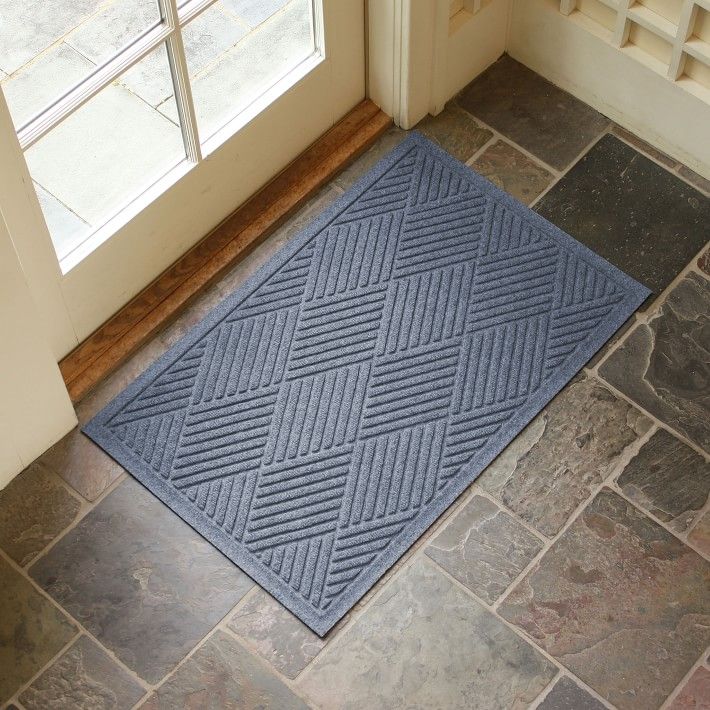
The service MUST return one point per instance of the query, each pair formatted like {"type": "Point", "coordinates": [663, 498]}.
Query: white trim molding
{"type": "Point", "coordinates": [421, 55]}
{"type": "Point", "coordinates": [35, 410]}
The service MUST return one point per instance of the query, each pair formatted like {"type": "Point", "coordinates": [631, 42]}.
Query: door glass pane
{"type": "Point", "coordinates": [48, 47]}
{"type": "Point", "coordinates": [278, 36]}
{"type": "Point", "coordinates": [101, 157]}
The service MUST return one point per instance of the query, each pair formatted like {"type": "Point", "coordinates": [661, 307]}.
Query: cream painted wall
{"type": "Point", "coordinates": [419, 56]}
{"type": "Point", "coordinates": [611, 80]}
{"type": "Point", "coordinates": [35, 410]}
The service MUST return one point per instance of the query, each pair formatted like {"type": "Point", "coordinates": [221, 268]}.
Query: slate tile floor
{"type": "Point", "coordinates": [574, 574]}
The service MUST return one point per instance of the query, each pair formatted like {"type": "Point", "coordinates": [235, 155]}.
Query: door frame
{"type": "Point", "coordinates": [114, 270]}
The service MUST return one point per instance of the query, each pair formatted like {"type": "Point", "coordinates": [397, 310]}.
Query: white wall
{"type": "Point", "coordinates": [647, 94]}
{"type": "Point", "coordinates": [420, 56]}
{"type": "Point", "coordinates": [35, 410]}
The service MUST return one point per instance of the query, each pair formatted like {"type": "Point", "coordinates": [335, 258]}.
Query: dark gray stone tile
{"type": "Point", "coordinates": [700, 534]}
{"type": "Point", "coordinates": [275, 634]}
{"type": "Point", "coordinates": [456, 131]}
{"type": "Point", "coordinates": [484, 548]}
{"type": "Point", "coordinates": [221, 675]}
{"type": "Point", "coordinates": [618, 600]}
{"type": "Point", "coordinates": [645, 147]}
{"type": "Point", "coordinates": [567, 695]}
{"type": "Point", "coordinates": [698, 180]}
{"type": "Point", "coordinates": [424, 643]}
{"type": "Point", "coordinates": [664, 364]}
{"type": "Point", "coordinates": [512, 171]}
{"type": "Point", "coordinates": [32, 631]}
{"type": "Point", "coordinates": [384, 144]}
{"type": "Point", "coordinates": [668, 479]}
{"type": "Point", "coordinates": [141, 580]}
{"type": "Point", "coordinates": [695, 694]}
{"type": "Point", "coordinates": [83, 678]}
{"type": "Point", "coordinates": [34, 508]}
{"type": "Point", "coordinates": [82, 464]}
{"type": "Point", "coordinates": [563, 454]}
{"type": "Point", "coordinates": [631, 211]}
{"type": "Point", "coordinates": [535, 114]}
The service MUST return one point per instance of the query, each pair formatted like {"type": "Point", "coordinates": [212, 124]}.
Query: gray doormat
{"type": "Point", "coordinates": [325, 414]}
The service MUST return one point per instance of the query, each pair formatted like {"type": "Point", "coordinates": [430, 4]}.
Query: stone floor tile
{"type": "Point", "coordinates": [28, 28]}
{"type": "Point", "coordinates": [512, 171]}
{"type": "Point", "coordinates": [38, 84]}
{"type": "Point", "coordinates": [389, 140]}
{"type": "Point", "coordinates": [145, 584]}
{"type": "Point", "coordinates": [563, 454]}
{"type": "Point", "coordinates": [695, 694]}
{"type": "Point", "coordinates": [567, 695]}
{"type": "Point", "coordinates": [645, 147]}
{"type": "Point", "coordinates": [700, 534]}
{"type": "Point", "coordinates": [484, 548]}
{"type": "Point", "coordinates": [82, 464]}
{"type": "Point", "coordinates": [456, 131]}
{"type": "Point", "coordinates": [254, 11]}
{"type": "Point", "coordinates": [667, 478]}
{"type": "Point", "coordinates": [221, 675]}
{"type": "Point", "coordinates": [83, 678]}
{"type": "Point", "coordinates": [276, 634]}
{"type": "Point", "coordinates": [704, 261]}
{"type": "Point", "coordinates": [424, 643]}
{"type": "Point", "coordinates": [699, 181]}
{"type": "Point", "coordinates": [34, 508]}
{"type": "Point", "coordinates": [630, 210]}
{"type": "Point", "coordinates": [243, 73]}
{"type": "Point", "coordinates": [618, 600]}
{"type": "Point", "coordinates": [32, 631]}
{"type": "Point", "coordinates": [664, 364]}
{"type": "Point", "coordinates": [535, 114]}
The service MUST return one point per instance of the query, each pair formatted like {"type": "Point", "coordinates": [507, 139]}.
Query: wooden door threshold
{"type": "Point", "coordinates": [111, 344]}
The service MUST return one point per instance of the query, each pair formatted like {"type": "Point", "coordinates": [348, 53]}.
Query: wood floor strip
{"type": "Point", "coordinates": [112, 343]}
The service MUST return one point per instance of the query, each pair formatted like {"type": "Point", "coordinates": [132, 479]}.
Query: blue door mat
{"type": "Point", "coordinates": [322, 417]}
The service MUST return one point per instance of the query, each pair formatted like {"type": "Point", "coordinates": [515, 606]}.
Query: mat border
{"type": "Point", "coordinates": [321, 623]}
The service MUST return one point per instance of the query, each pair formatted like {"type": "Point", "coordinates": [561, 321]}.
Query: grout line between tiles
{"type": "Point", "coordinates": [700, 663]}
{"type": "Point", "coordinates": [539, 161]}
{"type": "Point", "coordinates": [78, 624]}
{"type": "Point", "coordinates": [480, 151]}
{"type": "Point", "coordinates": [654, 308]}
{"type": "Point", "coordinates": [682, 537]}
{"type": "Point", "coordinates": [563, 174]}
{"type": "Point", "coordinates": [545, 691]}
{"type": "Point", "coordinates": [562, 669]}
{"type": "Point", "coordinates": [652, 417]}
{"type": "Point", "coordinates": [479, 491]}
{"type": "Point", "coordinates": [53, 659]}
{"type": "Point", "coordinates": [674, 171]}
{"type": "Point", "coordinates": [83, 513]}
{"type": "Point", "coordinates": [626, 455]}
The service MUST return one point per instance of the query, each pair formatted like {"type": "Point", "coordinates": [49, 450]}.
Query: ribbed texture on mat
{"type": "Point", "coordinates": [323, 416]}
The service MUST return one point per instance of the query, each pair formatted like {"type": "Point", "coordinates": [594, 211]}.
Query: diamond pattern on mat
{"type": "Point", "coordinates": [318, 420]}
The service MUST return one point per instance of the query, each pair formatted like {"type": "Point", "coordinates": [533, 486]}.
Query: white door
{"type": "Point", "coordinates": [141, 124]}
